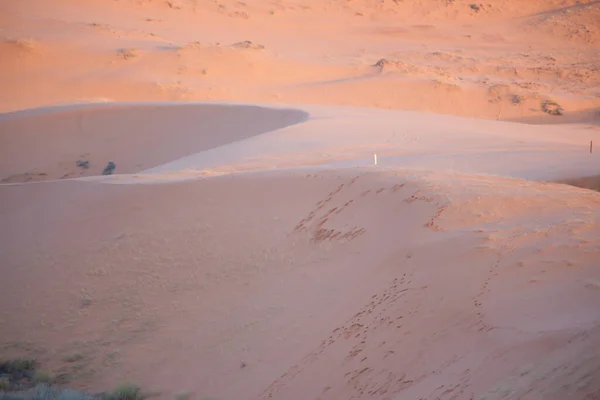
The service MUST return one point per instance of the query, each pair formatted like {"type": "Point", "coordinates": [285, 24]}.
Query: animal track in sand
{"type": "Point", "coordinates": [428, 199]}
{"type": "Point", "coordinates": [319, 232]}
{"type": "Point", "coordinates": [357, 334]}
{"type": "Point", "coordinates": [414, 198]}
{"type": "Point", "coordinates": [478, 299]}
{"type": "Point", "coordinates": [363, 379]}
{"type": "Point", "coordinates": [432, 222]}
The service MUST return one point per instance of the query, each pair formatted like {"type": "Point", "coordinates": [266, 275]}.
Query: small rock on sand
{"type": "Point", "coordinates": [110, 167]}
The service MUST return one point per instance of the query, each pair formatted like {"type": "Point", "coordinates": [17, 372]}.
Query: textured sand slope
{"type": "Point", "coordinates": [293, 285]}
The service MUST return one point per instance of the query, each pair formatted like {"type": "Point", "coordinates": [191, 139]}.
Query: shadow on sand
{"type": "Point", "coordinates": [590, 182]}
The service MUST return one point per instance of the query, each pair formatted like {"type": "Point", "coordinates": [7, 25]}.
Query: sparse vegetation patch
{"type": "Point", "coordinates": [552, 108]}
{"type": "Point", "coordinates": [21, 380]}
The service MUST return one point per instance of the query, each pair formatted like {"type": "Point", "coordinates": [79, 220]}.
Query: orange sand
{"type": "Point", "coordinates": [247, 247]}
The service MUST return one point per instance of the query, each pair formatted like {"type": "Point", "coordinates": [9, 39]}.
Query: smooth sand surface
{"type": "Point", "coordinates": [134, 137]}
{"type": "Point", "coordinates": [248, 247]}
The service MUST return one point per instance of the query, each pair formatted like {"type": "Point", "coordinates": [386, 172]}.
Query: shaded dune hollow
{"type": "Point", "coordinates": [75, 141]}
{"type": "Point", "coordinates": [587, 182]}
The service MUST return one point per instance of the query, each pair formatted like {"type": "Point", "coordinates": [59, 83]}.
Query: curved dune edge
{"type": "Point", "coordinates": [50, 143]}
{"type": "Point", "coordinates": [303, 270]}
{"type": "Point", "coordinates": [164, 141]}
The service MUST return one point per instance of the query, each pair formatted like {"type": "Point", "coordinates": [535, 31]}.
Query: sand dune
{"type": "Point", "coordinates": [133, 137]}
{"type": "Point", "coordinates": [227, 275]}
{"type": "Point", "coordinates": [415, 288]}
{"type": "Point", "coordinates": [444, 57]}
{"type": "Point", "coordinates": [309, 200]}
{"type": "Point", "coordinates": [216, 138]}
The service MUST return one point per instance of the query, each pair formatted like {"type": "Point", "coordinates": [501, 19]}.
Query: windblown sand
{"type": "Point", "coordinates": [246, 245]}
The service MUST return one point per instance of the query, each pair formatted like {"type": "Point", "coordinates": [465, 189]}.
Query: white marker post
{"type": "Point", "coordinates": [374, 158]}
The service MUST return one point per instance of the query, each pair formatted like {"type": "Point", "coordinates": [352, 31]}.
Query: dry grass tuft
{"type": "Point", "coordinates": [552, 108]}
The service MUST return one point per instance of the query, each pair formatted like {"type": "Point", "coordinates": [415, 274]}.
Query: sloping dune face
{"type": "Point", "coordinates": [334, 284]}
{"type": "Point", "coordinates": [76, 141]}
